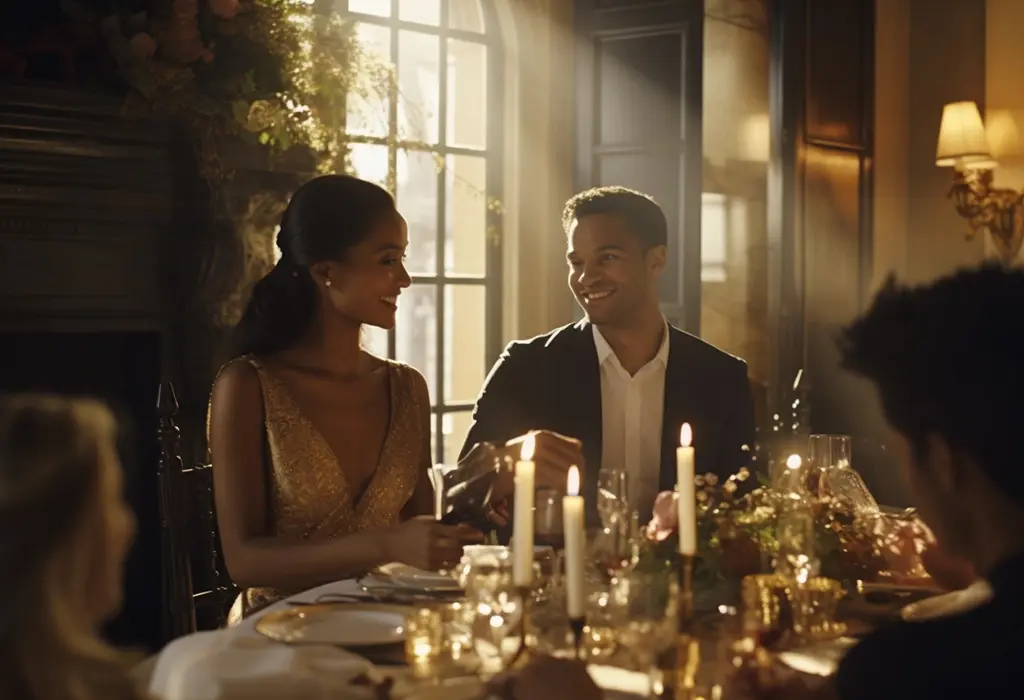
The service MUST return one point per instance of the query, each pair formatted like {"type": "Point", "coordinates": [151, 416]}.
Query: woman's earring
{"type": "Point", "coordinates": [327, 283]}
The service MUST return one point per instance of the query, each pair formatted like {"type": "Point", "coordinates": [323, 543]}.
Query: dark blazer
{"type": "Point", "coordinates": [553, 382]}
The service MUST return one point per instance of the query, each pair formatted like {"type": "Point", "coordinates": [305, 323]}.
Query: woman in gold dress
{"type": "Point", "coordinates": [321, 450]}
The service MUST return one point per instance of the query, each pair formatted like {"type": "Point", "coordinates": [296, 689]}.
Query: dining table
{"type": "Point", "coordinates": [240, 663]}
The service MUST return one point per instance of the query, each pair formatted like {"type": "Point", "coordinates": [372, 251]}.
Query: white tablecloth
{"type": "Point", "coordinates": [240, 664]}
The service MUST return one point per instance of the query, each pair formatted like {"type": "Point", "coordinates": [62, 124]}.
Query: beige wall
{"type": "Point", "coordinates": [539, 164]}
{"type": "Point", "coordinates": [928, 53]}
{"type": "Point", "coordinates": [1004, 89]}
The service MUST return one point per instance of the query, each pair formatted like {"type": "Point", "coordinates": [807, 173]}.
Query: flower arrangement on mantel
{"type": "Point", "coordinates": [274, 73]}
{"type": "Point", "coordinates": [737, 535]}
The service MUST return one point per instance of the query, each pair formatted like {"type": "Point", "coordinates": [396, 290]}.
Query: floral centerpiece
{"type": "Point", "coordinates": [738, 534]}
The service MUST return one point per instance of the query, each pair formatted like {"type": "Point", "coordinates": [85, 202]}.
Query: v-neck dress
{"type": "Point", "coordinates": [309, 497]}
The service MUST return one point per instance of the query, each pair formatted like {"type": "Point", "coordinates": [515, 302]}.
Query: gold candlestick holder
{"type": "Point", "coordinates": [525, 594]}
{"type": "Point", "coordinates": [687, 647]}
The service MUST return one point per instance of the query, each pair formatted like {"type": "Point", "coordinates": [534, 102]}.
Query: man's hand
{"type": "Point", "coordinates": [553, 454]}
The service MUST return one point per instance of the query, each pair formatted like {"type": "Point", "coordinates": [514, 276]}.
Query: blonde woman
{"type": "Point", "coordinates": [64, 533]}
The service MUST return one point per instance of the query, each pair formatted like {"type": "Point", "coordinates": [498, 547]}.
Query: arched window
{"type": "Point", "coordinates": [436, 143]}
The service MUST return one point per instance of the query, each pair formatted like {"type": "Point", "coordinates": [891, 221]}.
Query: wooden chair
{"type": "Point", "coordinates": [196, 590]}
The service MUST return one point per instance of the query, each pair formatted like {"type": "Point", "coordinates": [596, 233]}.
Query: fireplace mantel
{"type": "Point", "coordinates": [86, 210]}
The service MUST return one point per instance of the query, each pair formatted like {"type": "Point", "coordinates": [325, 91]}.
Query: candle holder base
{"type": "Point", "coordinates": [684, 573]}
{"type": "Point", "coordinates": [525, 595]}
{"type": "Point", "coordinates": [577, 625]}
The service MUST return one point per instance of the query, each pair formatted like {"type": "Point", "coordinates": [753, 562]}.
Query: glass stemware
{"type": "Point", "coordinates": [648, 604]}
{"type": "Point", "coordinates": [615, 548]}
{"type": "Point", "coordinates": [612, 495]}
{"type": "Point", "coordinates": [798, 557]}
{"type": "Point", "coordinates": [496, 609]}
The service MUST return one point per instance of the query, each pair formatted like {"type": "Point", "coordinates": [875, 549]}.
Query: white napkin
{"type": "Point", "coordinates": [948, 604]}
{"type": "Point", "coordinates": [222, 665]}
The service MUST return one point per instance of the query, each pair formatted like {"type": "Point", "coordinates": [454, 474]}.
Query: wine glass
{"type": "Point", "coordinates": [648, 603]}
{"type": "Point", "coordinates": [615, 548]}
{"type": "Point", "coordinates": [497, 610]}
{"type": "Point", "coordinates": [612, 495]}
{"type": "Point", "coordinates": [547, 521]}
{"type": "Point", "coordinates": [797, 558]}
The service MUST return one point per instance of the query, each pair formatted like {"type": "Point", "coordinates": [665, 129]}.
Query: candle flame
{"type": "Point", "coordinates": [686, 435]}
{"type": "Point", "coordinates": [794, 462]}
{"type": "Point", "coordinates": [572, 485]}
{"type": "Point", "coordinates": [527, 450]}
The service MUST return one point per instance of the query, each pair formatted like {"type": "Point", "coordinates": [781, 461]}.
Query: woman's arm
{"type": "Point", "coordinates": [254, 557]}
{"type": "Point", "coordinates": [422, 500]}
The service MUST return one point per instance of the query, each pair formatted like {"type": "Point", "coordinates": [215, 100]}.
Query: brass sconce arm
{"type": "Point", "coordinates": [988, 208]}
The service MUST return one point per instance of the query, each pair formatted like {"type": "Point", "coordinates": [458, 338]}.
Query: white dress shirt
{"type": "Point", "coordinates": [632, 408]}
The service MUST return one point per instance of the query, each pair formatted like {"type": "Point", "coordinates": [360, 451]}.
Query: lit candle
{"type": "Point", "coordinates": [686, 487]}
{"type": "Point", "coordinates": [522, 523]}
{"type": "Point", "coordinates": [572, 527]}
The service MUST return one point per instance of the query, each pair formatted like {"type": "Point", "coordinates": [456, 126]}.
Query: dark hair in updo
{"type": "Point", "coordinates": [325, 217]}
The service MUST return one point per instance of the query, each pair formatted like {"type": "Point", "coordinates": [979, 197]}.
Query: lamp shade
{"type": "Point", "coordinates": [962, 139]}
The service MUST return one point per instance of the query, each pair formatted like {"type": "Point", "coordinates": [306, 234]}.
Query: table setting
{"type": "Point", "coordinates": [723, 577]}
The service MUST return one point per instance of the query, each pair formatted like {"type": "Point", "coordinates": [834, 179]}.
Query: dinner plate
{"type": "Point", "coordinates": [338, 624]}
{"type": "Point", "coordinates": [409, 578]}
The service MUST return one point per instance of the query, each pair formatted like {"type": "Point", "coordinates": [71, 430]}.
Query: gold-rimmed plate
{"type": "Point", "coordinates": [337, 624]}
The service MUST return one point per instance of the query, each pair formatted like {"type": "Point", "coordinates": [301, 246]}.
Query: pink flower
{"type": "Point", "coordinates": [225, 9]}
{"type": "Point", "coordinates": [665, 517]}
{"type": "Point", "coordinates": [143, 45]}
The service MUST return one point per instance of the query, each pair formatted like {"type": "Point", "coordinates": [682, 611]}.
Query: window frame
{"type": "Point", "coordinates": [492, 279]}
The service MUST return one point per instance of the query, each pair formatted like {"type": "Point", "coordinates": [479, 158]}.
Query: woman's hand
{"type": "Point", "coordinates": [426, 544]}
{"type": "Point", "coordinates": [547, 678]}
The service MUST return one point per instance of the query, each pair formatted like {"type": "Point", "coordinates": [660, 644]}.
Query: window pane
{"type": "Point", "coordinates": [419, 81]}
{"type": "Point", "coordinates": [368, 105]}
{"type": "Point", "coordinates": [416, 332]}
{"type": "Point", "coordinates": [417, 201]}
{"type": "Point", "coordinates": [466, 15]}
{"type": "Point", "coordinates": [422, 11]}
{"type": "Point", "coordinates": [467, 94]}
{"type": "Point", "coordinates": [370, 162]}
{"type": "Point", "coordinates": [465, 339]}
{"type": "Point", "coordinates": [375, 341]}
{"type": "Point", "coordinates": [465, 250]}
{"type": "Point", "coordinates": [381, 8]}
{"type": "Point", "coordinates": [455, 427]}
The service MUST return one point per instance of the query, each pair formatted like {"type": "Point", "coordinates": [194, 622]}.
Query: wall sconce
{"type": "Point", "coordinates": [963, 145]}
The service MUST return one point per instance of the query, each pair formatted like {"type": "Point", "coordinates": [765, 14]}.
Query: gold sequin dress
{"type": "Point", "coordinates": [309, 496]}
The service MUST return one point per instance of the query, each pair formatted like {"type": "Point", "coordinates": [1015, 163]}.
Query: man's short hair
{"type": "Point", "coordinates": [948, 360]}
{"type": "Point", "coordinates": [641, 213]}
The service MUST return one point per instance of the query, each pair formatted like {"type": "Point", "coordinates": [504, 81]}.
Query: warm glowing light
{"type": "Point", "coordinates": [962, 138]}
{"type": "Point", "coordinates": [686, 435]}
{"type": "Point", "coordinates": [529, 445]}
{"type": "Point", "coordinates": [572, 484]}
{"type": "Point", "coordinates": [794, 462]}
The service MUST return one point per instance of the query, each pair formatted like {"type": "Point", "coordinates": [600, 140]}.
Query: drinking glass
{"type": "Point", "coordinates": [612, 495]}
{"type": "Point", "coordinates": [615, 548]}
{"type": "Point", "coordinates": [648, 623]}
{"type": "Point", "coordinates": [496, 609]}
{"type": "Point", "coordinates": [798, 558]}
{"type": "Point", "coordinates": [547, 524]}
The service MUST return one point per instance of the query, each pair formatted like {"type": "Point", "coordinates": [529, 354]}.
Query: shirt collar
{"type": "Point", "coordinates": [604, 350]}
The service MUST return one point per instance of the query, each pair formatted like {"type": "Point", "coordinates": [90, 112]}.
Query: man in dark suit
{"type": "Point", "coordinates": [614, 390]}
